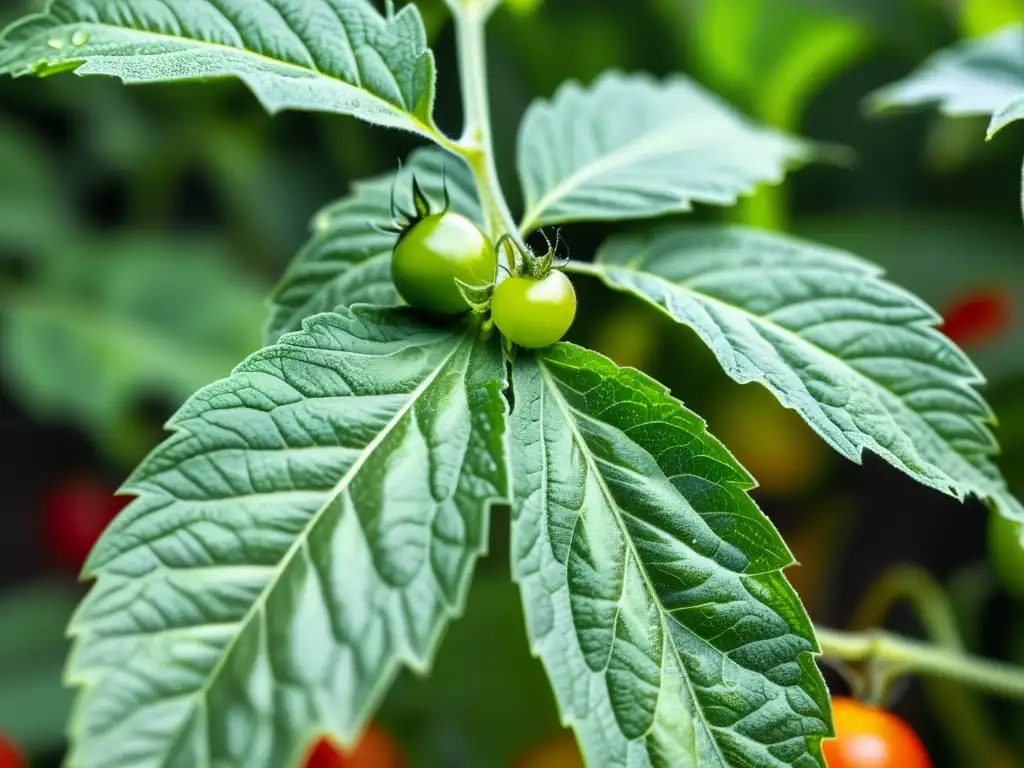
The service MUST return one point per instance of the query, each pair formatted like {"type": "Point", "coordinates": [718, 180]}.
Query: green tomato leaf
{"type": "Point", "coordinates": [349, 262]}
{"type": "Point", "coordinates": [311, 526]}
{"type": "Point", "coordinates": [338, 56]}
{"type": "Point", "coordinates": [975, 77]}
{"type": "Point", "coordinates": [651, 581]}
{"type": "Point", "coordinates": [632, 147]}
{"type": "Point", "coordinates": [104, 322]}
{"type": "Point", "coordinates": [857, 357]}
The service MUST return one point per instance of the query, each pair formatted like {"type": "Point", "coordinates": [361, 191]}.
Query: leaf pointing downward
{"type": "Point", "coordinates": [857, 357]}
{"type": "Point", "coordinates": [651, 581]}
{"type": "Point", "coordinates": [312, 524]}
{"type": "Point", "coordinates": [975, 77]}
{"type": "Point", "coordinates": [326, 55]}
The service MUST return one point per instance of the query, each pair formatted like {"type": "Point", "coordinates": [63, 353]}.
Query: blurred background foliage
{"type": "Point", "coordinates": [140, 230]}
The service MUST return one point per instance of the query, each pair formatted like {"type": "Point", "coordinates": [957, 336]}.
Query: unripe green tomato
{"type": "Point", "coordinates": [534, 313]}
{"type": "Point", "coordinates": [1006, 554]}
{"type": "Point", "coordinates": [434, 253]}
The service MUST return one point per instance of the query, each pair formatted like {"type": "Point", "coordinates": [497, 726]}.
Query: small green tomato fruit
{"type": "Point", "coordinates": [435, 252]}
{"type": "Point", "coordinates": [534, 313]}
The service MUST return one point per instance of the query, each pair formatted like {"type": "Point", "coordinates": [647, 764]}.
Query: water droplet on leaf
{"type": "Point", "coordinates": [80, 38]}
{"type": "Point", "coordinates": [56, 43]}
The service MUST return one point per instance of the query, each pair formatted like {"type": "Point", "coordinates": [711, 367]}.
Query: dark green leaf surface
{"type": "Point", "coordinates": [630, 146]}
{"type": "Point", "coordinates": [975, 77]}
{"type": "Point", "coordinates": [338, 56]}
{"type": "Point", "coordinates": [110, 320]}
{"type": "Point", "coordinates": [651, 581]}
{"type": "Point", "coordinates": [857, 357]}
{"type": "Point", "coordinates": [311, 525]}
{"type": "Point", "coordinates": [347, 261]}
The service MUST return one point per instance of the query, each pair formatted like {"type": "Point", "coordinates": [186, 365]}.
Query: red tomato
{"type": "Point", "coordinates": [75, 513]}
{"type": "Point", "coordinates": [9, 756]}
{"type": "Point", "coordinates": [979, 316]}
{"type": "Point", "coordinates": [872, 738]}
{"type": "Point", "coordinates": [375, 750]}
{"type": "Point", "coordinates": [559, 752]}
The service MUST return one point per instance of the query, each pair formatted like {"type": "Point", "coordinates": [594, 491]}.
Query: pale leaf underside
{"type": "Point", "coordinates": [348, 261]}
{"type": "Point", "coordinates": [311, 525]}
{"type": "Point", "coordinates": [651, 582]}
{"type": "Point", "coordinates": [975, 77]}
{"type": "Point", "coordinates": [338, 56]}
{"type": "Point", "coordinates": [630, 146]}
{"type": "Point", "coordinates": [857, 357]}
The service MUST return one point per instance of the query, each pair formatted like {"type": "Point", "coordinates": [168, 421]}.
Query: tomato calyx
{"type": "Point", "coordinates": [524, 263]}
{"type": "Point", "coordinates": [402, 221]}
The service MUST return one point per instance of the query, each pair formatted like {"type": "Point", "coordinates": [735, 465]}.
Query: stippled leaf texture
{"type": "Point", "coordinates": [311, 525]}
{"type": "Point", "coordinates": [630, 146]}
{"type": "Point", "coordinates": [974, 77]}
{"type": "Point", "coordinates": [652, 583]}
{"type": "Point", "coordinates": [339, 56]}
{"type": "Point", "coordinates": [859, 358]}
{"type": "Point", "coordinates": [347, 261]}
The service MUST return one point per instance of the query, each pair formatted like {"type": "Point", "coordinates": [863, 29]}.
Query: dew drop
{"type": "Point", "coordinates": [56, 43]}
{"type": "Point", "coordinates": [80, 38]}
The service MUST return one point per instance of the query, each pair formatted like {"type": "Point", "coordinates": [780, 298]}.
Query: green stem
{"type": "Point", "coordinates": [905, 656]}
{"type": "Point", "coordinates": [960, 712]}
{"type": "Point", "coordinates": [477, 143]}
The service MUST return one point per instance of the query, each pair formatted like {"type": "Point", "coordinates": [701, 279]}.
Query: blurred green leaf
{"type": "Point", "coordinates": [981, 17]}
{"type": "Point", "coordinates": [106, 321]}
{"type": "Point", "coordinates": [34, 211]}
{"type": "Point", "coordinates": [34, 706]}
{"type": "Point", "coordinates": [773, 55]}
{"type": "Point", "coordinates": [976, 77]}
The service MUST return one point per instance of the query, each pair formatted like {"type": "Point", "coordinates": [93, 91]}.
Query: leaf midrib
{"type": "Point", "coordinates": [421, 127]}
{"type": "Point", "coordinates": [598, 270]}
{"type": "Point", "coordinates": [647, 144]}
{"type": "Point", "coordinates": [201, 694]}
{"type": "Point", "coordinates": [568, 415]}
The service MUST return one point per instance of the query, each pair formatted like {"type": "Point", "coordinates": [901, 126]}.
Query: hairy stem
{"type": "Point", "coordinates": [905, 656]}
{"type": "Point", "coordinates": [477, 143]}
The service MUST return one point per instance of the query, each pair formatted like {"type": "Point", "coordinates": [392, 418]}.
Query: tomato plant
{"type": "Point", "coordinates": [75, 512]}
{"type": "Point", "coordinates": [311, 527]}
{"type": "Point", "coordinates": [867, 737]}
{"type": "Point", "coordinates": [534, 312]}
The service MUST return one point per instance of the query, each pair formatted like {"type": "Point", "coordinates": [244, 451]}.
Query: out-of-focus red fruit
{"type": "Point", "coordinates": [9, 756]}
{"type": "Point", "coordinates": [376, 749]}
{"type": "Point", "coordinates": [871, 738]}
{"type": "Point", "coordinates": [979, 316]}
{"type": "Point", "coordinates": [75, 513]}
{"type": "Point", "coordinates": [559, 752]}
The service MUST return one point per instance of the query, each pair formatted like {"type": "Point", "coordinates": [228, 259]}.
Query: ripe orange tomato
{"type": "Point", "coordinates": [559, 752]}
{"type": "Point", "coordinates": [872, 738]}
{"type": "Point", "coordinates": [375, 750]}
{"type": "Point", "coordinates": [9, 756]}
